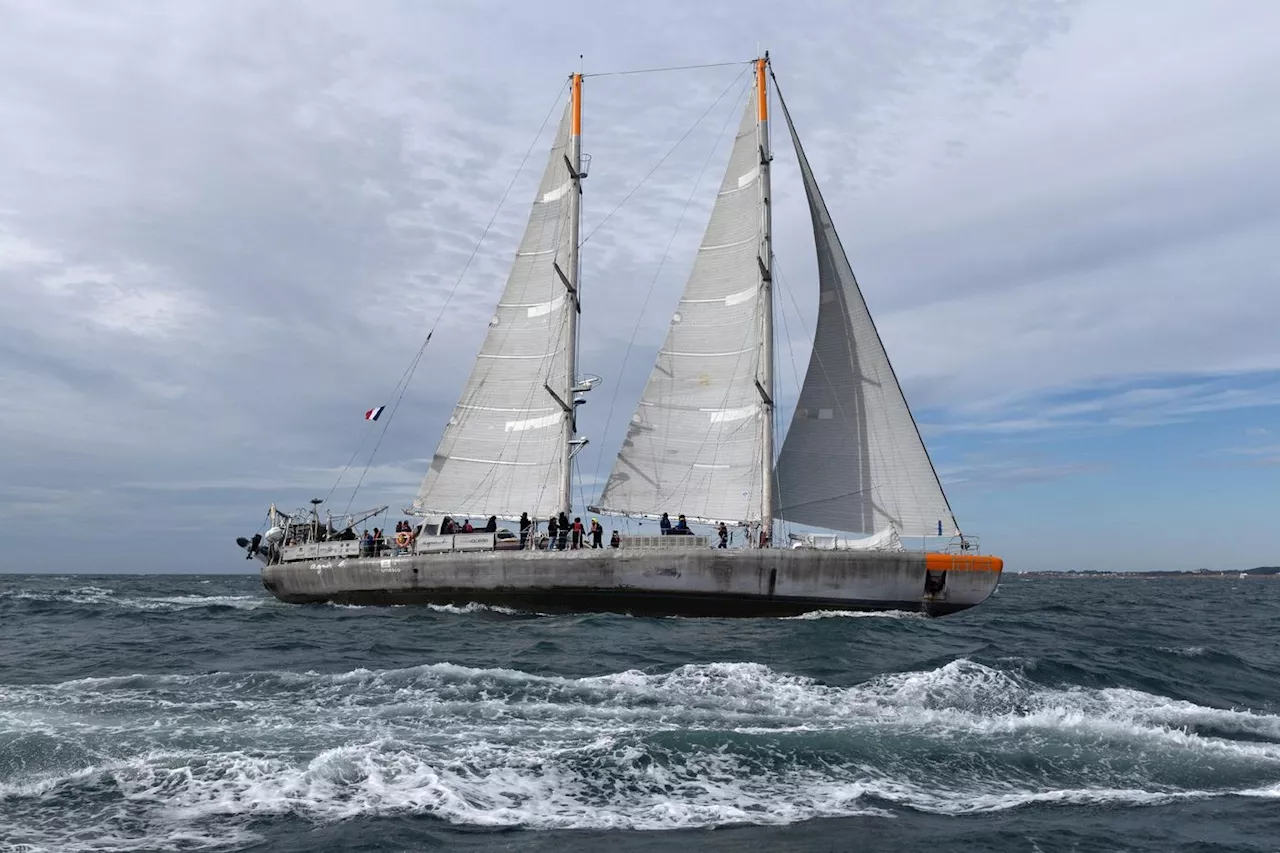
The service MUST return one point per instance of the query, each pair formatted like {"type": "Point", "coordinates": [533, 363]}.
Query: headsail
{"type": "Point", "coordinates": [695, 443]}
{"type": "Point", "coordinates": [504, 450]}
{"type": "Point", "coordinates": [853, 458]}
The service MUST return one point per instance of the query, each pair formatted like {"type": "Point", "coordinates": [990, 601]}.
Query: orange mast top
{"type": "Point", "coordinates": [763, 112]}
{"type": "Point", "coordinates": [577, 105]}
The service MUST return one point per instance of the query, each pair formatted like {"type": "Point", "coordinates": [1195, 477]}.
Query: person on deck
{"type": "Point", "coordinates": [615, 540]}
{"type": "Point", "coordinates": [682, 526]}
{"type": "Point", "coordinates": [525, 524]}
{"type": "Point", "coordinates": [724, 535]}
{"type": "Point", "coordinates": [563, 527]}
{"type": "Point", "coordinates": [492, 525]}
{"type": "Point", "coordinates": [664, 525]}
{"type": "Point", "coordinates": [467, 528]}
{"type": "Point", "coordinates": [597, 533]}
{"type": "Point", "coordinates": [578, 530]}
{"type": "Point", "coordinates": [553, 529]}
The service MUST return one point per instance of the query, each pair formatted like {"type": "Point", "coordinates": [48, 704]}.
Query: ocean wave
{"type": "Point", "coordinates": [106, 599]}
{"type": "Point", "coordinates": [699, 745]}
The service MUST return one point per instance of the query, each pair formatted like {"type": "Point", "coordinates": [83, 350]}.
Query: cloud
{"type": "Point", "coordinates": [1116, 405]}
{"type": "Point", "coordinates": [226, 228]}
{"type": "Point", "coordinates": [994, 473]}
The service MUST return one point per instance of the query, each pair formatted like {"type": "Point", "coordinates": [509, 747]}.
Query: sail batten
{"type": "Point", "coordinates": [504, 450]}
{"type": "Point", "coordinates": [694, 443]}
{"type": "Point", "coordinates": [853, 459]}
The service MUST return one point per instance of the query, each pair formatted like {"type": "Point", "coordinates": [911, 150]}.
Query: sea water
{"type": "Point", "coordinates": [198, 713]}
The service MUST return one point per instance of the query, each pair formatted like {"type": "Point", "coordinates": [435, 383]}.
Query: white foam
{"type": "Point", "coordinates": [701, 745]}
{"type": "Point", "coordinates": [855, 614]}
{"type": "Point", "coordinates": [1184, 651]}
{"type": "Point", "coordinates": [473, 607]}
{"type": "Point", "coordinates": [93, 595]}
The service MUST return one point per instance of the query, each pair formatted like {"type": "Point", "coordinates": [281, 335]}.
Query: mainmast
{"type": "Point", "coordinates": [764, 380]}
{"type": "Point", "coordinates": [574, 162]}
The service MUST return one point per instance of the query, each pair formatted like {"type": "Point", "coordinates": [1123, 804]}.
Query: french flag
{"type": "Point", "coordinates": [372, 414]}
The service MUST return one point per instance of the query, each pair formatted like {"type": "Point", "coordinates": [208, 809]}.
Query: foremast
{"type": "Point", "coordinates": [764, 379]}
{"type": "Point", "coordinates": [508, 446]}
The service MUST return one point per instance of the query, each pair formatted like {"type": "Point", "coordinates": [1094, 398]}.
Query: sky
{"type": "Point", "coordinates": [226, 227]}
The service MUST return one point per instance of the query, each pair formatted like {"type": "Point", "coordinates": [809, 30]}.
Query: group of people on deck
{"type": "Point", "coordinates": [682, 529]}
{"type": "Point", "coordinates": [378, 542]}
{"type": "Point", "coordinates": [449, 526]}
{"type": "Point", "coordinates": [563, 535]}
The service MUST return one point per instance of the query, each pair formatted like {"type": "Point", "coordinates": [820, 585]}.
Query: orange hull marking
{"type": "Point", "coordinates": [962, 563]}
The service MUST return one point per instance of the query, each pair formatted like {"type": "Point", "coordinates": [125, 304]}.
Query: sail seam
{"type": "Point", "coordinates": [690, 354]}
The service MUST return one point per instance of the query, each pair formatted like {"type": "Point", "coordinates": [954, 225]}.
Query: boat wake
{"type": "Point", "coordinates": [858, 614]}
{"type": "Point", "coordinates": [192, 760]}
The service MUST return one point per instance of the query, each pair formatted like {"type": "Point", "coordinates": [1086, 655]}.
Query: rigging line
{"type": "Point", "coordinates": [401, 383]}
{"type": "Point", "coordinates": [528, 152]}
{"type": "Point", "coordinates": [404, 386]}
{"type": "Point", "coordinates": [670, 151]}
{"type": "Point", "coordinates": [776, 269]}
{"type": "Point", "coordinates": [746, 62]}
{"type": "Point", "coordinates": [408, 375]}
{"type": "Point", "coordinates": [635, 330]}
{"type": "Point", "coordinates": [791, 351]}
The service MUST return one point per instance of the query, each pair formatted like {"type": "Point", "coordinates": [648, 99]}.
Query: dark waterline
{"type": "Point", "coordinates": [186, 713]}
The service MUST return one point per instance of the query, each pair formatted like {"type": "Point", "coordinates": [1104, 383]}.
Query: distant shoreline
{"type": "Point", "coordinates": [1265, 572]}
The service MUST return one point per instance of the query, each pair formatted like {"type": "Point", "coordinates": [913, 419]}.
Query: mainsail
{"type": "Point", "coordinates": [696, 442]}
{"type": "Point", "coordinates": [505, 449]}
{"type": "Point", "coordinates": [853, 458]}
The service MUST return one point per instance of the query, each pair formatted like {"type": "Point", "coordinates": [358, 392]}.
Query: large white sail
{"type": "Point", "coordinates": [504, 450]}
{"type": "Point", "coordinates": [695, 443]}
{"type": "Point", "coordinates": [853, 459]}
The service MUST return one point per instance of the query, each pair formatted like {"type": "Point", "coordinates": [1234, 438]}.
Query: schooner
{"type": "Point", "coordinates": [701, 442]}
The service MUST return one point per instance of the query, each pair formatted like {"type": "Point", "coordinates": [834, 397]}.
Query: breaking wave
{"type": "Point", "coordinates": [192, 760]}
{"type": "Point", "coordinates": [100, 597]}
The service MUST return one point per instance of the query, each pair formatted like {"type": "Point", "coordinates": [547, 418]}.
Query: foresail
{"type": "Point", "coordinates": [694, 444]}
{"type": "Point", "coordinates": [853, 458]}
{"type": "Point", "coordinates": [502, 452]}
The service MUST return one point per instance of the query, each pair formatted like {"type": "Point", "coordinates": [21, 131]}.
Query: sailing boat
{"type": "Point", "coordinates": [700, 444]}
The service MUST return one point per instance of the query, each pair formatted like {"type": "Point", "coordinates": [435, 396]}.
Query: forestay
{"type": "Point", "coordinates": [853, 459]}
{"type": "Point", "coordinates": [502, 452]}
{"type": "Point", "coordinates": [694, 443]}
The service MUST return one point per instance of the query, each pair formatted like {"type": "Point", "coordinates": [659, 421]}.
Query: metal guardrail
{"type": "Point", "coordinates": [963, 545]}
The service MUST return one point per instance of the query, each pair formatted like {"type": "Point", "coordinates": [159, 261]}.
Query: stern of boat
{"type": "Point", "coordinates": [955, 582]}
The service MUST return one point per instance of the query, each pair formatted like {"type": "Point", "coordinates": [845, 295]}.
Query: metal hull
{"type": "Point", "coordinates": [642, 582]}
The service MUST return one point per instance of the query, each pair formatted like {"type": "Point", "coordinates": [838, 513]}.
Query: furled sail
{"type": "Point", "coordinates": [694, 444]}
{"type": "Point", "coordinates": [853, 458]}
{"type": "Point", "coordinates": [503, 450]}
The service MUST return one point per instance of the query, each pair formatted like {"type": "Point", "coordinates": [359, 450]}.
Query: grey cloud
{"type": "Point", "coordinates": [304, 184]}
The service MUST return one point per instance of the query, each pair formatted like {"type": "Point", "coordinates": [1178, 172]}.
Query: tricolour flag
{"type": "Point", "coordinates": [372, 414]}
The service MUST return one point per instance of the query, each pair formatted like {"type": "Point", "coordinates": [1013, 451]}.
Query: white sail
{"type": "Point", "coordinates": [695, 442]}
{"type": "Point", "coordinates": [853, 458]}
{"type": "Point", "coordinates": [504, 449]}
